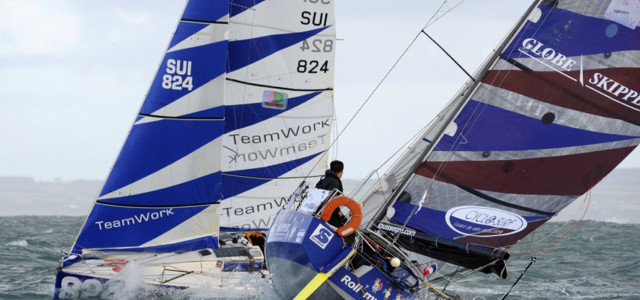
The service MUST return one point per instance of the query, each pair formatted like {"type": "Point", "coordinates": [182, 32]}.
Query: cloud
{"type": "Point", "coordinates": [37, 28]}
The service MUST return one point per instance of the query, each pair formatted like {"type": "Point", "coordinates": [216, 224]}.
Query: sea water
{"type": "Point", "coordinates": [597, 260]}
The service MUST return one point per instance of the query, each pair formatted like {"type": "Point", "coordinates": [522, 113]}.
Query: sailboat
{"type": "Point", "coordinates": [547, 116]}
{"type": "Point", "coordinates": [239, 111]}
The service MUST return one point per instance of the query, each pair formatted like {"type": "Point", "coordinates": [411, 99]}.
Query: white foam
{"type": "Point", "coordinates": [18, 243]}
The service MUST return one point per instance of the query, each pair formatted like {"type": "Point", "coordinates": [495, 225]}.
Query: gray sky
{"type": "Point", "coordinates": [74, 73]}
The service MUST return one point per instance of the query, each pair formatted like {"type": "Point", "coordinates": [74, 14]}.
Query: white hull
{"type": "Point", "coordinates": [104, 275]}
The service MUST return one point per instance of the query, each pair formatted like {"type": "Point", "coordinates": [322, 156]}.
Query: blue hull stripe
{"type": "Point", "coordinates": [498, 129]}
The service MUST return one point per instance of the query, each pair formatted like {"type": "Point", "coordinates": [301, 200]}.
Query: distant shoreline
{"type": "Point", "coordinates": [615, 199]}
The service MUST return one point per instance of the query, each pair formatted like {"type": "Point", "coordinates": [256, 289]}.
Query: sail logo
{"type": "Point", "coordinates": [598, 82]}
{"type": "Point", "coordinates": [397, 229]}
{"type": "Point", "coordinates": [321, 236]}
{"type": "Point", "coordinates": [355, 286]}
{"type": "Point", "coordinates": [275, 100]}
{"type": "Point", "coordinates": [549, 54]}
{"type": "Point", "coordinates": [177, 75]}
{"type": "Point", "coordinates": [484, 221]}
{"type": "Point", "coordinates": [613, 90]}
{"type": "Point", "coordinates": [138, 219]}
{"type": "Point", "coordinates": [377, 285]}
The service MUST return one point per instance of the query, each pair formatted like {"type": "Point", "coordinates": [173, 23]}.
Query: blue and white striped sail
{"type": "Point", "coordinates": [240, 110]}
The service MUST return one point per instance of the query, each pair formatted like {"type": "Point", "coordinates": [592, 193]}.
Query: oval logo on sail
{"type": "Point", "coordinates": [484, 221]}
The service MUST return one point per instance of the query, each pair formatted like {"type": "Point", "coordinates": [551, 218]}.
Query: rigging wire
{"type": "Point", "coordinates": [431, 21]}
{"type": "Point", "coordinates": [435, 17]}
{"type": "Point", "coordinates": [449, 55]}
{"type": "Point", "coordinates": [588, 200]}
{"type": "Point", "coordinates": [533, 259]}
{"type": "Point", "coordinates": [468, 272]}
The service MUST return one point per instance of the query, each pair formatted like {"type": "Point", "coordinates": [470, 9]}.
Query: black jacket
{"type": "Point", "coordinates": [329, 182]}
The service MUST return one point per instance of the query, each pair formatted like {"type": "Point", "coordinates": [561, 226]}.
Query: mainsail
{"type": "Point", "coordinates": [240, 110]}
{"type": "Point", "coordinates": [552, 113]}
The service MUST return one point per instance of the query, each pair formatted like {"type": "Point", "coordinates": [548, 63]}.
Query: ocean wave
{"type": "Point", "coordinates": [18, 243]}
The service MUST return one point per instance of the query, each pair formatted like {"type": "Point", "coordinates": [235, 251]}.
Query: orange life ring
{"type": "Point", "coordinates": [352, 205]}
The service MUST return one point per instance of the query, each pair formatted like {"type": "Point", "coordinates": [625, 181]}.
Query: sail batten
{"type": "Point", "coordinates": [279, 87]}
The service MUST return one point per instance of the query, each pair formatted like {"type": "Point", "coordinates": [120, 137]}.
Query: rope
{"type": "Point", "coordinates": [588, 200]}
{"type": "Point", "coordinates": [533, 259]}
{"type": "Point", "coordinates": [364, 295]}
{"type": "Point", "coordinates": [433, 18]}
{"type": "Point", "coordinates": [435, 289]}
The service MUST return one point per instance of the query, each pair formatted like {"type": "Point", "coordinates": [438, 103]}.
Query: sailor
{"type": "Point", "coordinates": [331, 181]}
{"type": "Point", "coordinates": [256, 238]}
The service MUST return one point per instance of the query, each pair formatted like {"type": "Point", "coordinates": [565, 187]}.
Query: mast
{"type": "Point", "coordinates": [455, 105]}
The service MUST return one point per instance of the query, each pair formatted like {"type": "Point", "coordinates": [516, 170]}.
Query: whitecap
{"type": "Point", "coordinates": [616, 220]}
{"type": "Point", "coordinates": [18, 243]}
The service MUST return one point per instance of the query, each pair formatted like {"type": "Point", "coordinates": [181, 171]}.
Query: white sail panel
{"type": "Point", "coordinates": [205, 223]}
{"type": "Point", "coordinates": [274, 141]}
{"type": "Point", "coordinates": [283, 16]}
{"type": "Point", "coordinates": [279, 105]}
{"type": "Point", "coordinates": [322, 99]}
{"type": "Point", "coordinates": [256, 207]}
{"type": "Point", "coordinates": [310, 70]}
